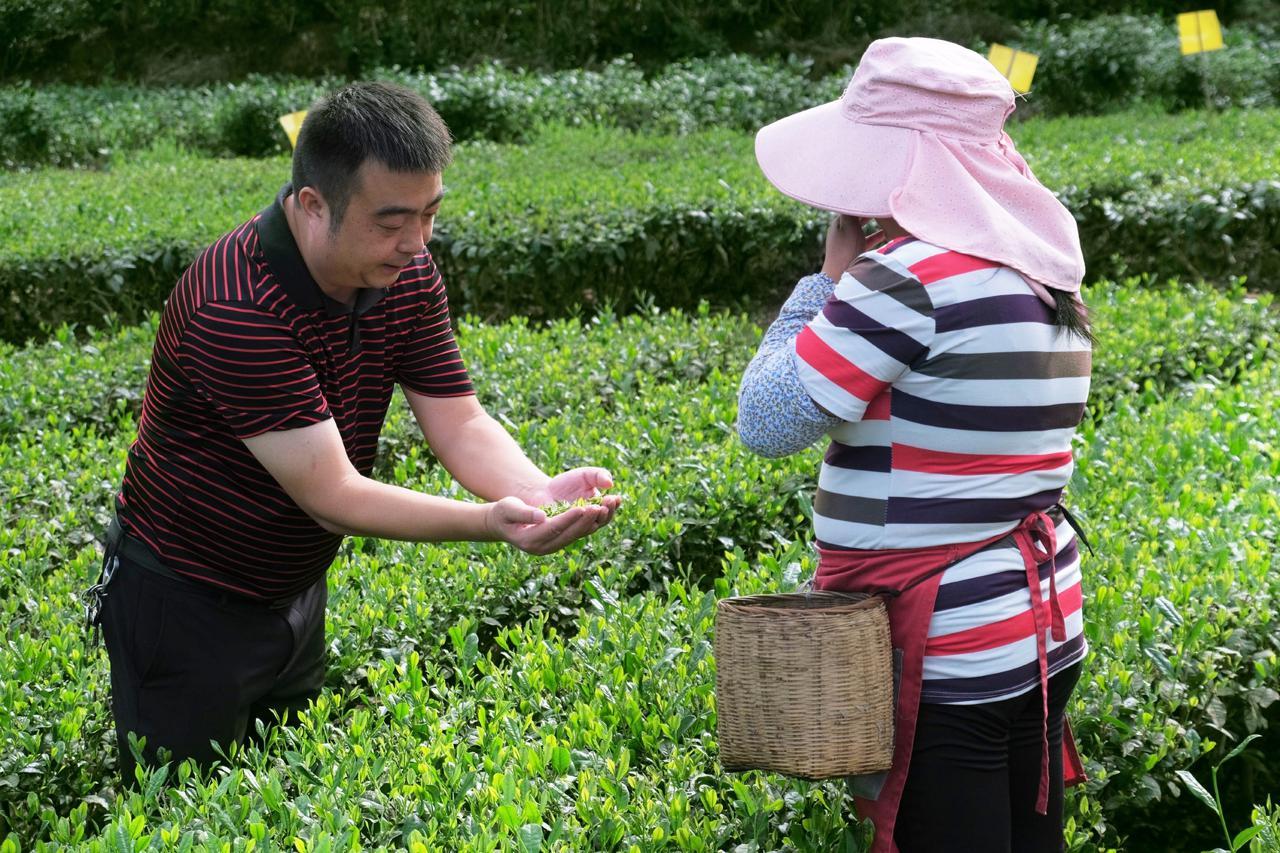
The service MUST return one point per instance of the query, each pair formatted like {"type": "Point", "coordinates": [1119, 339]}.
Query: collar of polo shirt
{"type": "Point", "coordinates": [282, 255]}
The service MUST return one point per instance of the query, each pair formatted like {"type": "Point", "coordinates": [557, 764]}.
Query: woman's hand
{"type": "Point", "coordinates": [845, 243]}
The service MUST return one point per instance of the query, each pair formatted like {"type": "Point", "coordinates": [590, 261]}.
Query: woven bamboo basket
{"type": "Point", "coordinates": [804, 684]}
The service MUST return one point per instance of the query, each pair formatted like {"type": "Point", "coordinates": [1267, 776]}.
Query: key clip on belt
{"type": "Point", "coordinates": [95, 594]}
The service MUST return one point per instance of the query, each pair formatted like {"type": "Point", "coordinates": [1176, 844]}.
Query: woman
{"type": "Point", "coordinates": [949, 364]}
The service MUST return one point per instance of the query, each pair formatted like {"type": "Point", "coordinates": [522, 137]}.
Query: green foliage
{"type": "Point", "coordinates": [33, 30]}
{"type": "Point", "coordinates": [67, 125]}
{"type": "Point", "coordinates": [86, 126]}
{"type": "Point", "coordinates": [481, 699]}
{"type": "Point", "coordinates": [245, 120]}
{"type": "Point", "coordinates": [1117, 61]}
{"type": "Point", "coordinates": [1086, 67]}
{"type": "Point", "coordinates": [25, 126]}
{"type": "Point", "coordinates": [223, 39]}
{"type": "Point", "coordinates": [1214, 800]}
{"type": "Point", "coordinates": [1153, 338]}
{"type": "Point", "coordinates": [589, 217]}
{"type": "Point", "coordinates": [1182, 491]}
{"type": "Point", "coordinates": [1267, 820]}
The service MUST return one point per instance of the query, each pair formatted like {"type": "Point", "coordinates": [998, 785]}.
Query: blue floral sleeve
{"type": "Point", "coordinates": [776, 416]}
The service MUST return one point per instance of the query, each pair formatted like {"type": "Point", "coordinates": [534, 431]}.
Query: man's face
{"type": "Point", "coordinates": [387, 222]}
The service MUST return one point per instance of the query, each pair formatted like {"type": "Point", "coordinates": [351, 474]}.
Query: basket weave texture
{"type": "Point", "coordinates": [804, 684]}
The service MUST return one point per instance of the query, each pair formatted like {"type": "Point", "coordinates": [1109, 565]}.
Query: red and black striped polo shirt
{"type": "Point", "coordinates": [249, 343]}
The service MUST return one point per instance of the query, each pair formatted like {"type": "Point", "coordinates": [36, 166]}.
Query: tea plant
{"type": "Point", "coordinates": [636, 220]}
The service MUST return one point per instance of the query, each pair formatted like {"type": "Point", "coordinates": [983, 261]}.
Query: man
{"type": "Point", "coordinates": [273, 368]}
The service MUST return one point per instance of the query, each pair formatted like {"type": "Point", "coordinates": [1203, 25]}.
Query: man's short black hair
{"type": "Point", "coordinates": [381, 121]}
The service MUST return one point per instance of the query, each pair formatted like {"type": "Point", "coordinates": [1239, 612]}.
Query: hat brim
{"type": "Point", "coordinates": [823, 158]}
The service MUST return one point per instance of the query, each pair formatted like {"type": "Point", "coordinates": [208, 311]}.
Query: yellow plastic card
{"type": "Point", "coordinates": [1199, 31]}
{"type": "Point", "coordinates": [292, 123]}
{"type": "Point", "coordinates": [1017, 66]}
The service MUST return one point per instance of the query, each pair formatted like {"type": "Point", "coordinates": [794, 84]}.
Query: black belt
{"type": "Point", "coordinates": [120, 543]}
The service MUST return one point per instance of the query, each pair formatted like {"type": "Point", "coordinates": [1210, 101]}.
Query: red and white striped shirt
{"type": "Point", "coordinates": [248, 343]}
{"type": "Point", "coordinates": [958, 398]}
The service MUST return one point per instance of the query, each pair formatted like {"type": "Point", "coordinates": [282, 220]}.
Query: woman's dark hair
{"type": "Point", "coordinates": [1069, 313]}
{"type": "Point", "coordinates": [381, 121]}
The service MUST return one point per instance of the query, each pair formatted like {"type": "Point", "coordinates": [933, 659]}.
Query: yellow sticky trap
{"type": "Point", "coordinates": [292, 123]}
{"type": "Point", "coordinates": [1017, 66]}
{"type": "Point", "coordinates": [1199, 31]}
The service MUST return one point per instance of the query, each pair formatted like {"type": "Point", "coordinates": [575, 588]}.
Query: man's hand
{"type": "Point", "coordinates": [845, 242]}
{"type": "Point", "coordinates": [482, 456]}
{"type": "Point", "coordinates": [579, 483]}
{"type": "Point", "coordinates": [524, 523]}
{"type": "Point", "coordinates": [576, 484]}
{"type": "Point", "coordinates": [311, 464]}
{"type": "Point", "coordinates": [528, 528]}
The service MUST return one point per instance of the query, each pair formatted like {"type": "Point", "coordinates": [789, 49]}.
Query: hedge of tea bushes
{"type": "Point", "coordinates": [636, 377]}
{"type": "Point", "coordinates": [1086, 67]}
{"type": "Point", "coordinates": [1116, 61]}
{"type": "Point", "coordinates": [601, 737]}
{"type": "Point", "coordinates": [1152, 340]}
{"type": "Point", "coordinates": [586, 726]}
{"type": "Point", "coordinates": [391, 598]}
{"type": "Point", "coordinates": [597, 738]}
{"type": "Point", "coordinates": [72, 126]}
{"type": "Point", "coordinates": [634, 399]}
{"type": "Point", "coordinates": [1153, 336]}
{"type": "Point", "coordinates": [424, 636]}
{"type": "Point", "coordinates": [79, 39]}
{"type": "Point", "coordinates": [672, 220]}
{"type": "Point", "coordinates": [1182, 494]}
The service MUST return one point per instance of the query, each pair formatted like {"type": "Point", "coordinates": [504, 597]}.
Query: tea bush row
{"type": "Point", "coordinates": [1086, 67]}
{"type": "Point", "coordinates": [86, 125]}
{"type": "Point", "coordinates": [1181, 490]}
{"type": "Point", "coordinates": [1152, 337]}
{"type": "Point", "coordinates": [484, 700]}
{"type": "Point", "coordinates": [672, 220]}
{"type": "Point", "coordinates": [636, 381]}
{"type": "Point", "coordinates": [79, 39]}
{"type": "Point", "coordinates": [1116, 61]}
{"type": "Point", "coordinates": [671, 454]}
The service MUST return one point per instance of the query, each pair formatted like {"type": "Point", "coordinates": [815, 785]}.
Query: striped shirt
{"type": "Point", "coordinates": [958, 399]}
{"type": "Point", "coordinates": [982, 643]}
{"type": "Point", "coordinates": [248, 344]}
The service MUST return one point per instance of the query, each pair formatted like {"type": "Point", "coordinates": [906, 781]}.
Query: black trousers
{"type": "Point", "coordinates": [191, 664]}
{"type": "Point", "coordinates": [975, 774]}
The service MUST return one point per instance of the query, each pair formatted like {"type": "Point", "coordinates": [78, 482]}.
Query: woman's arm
{"type": "Point", "coordinates": [776, 416]}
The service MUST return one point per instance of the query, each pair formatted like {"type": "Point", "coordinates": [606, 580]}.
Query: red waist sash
{"type": "Point", "coordinates": [911, 577]}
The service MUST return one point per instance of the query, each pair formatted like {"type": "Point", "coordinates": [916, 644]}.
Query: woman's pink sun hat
{"type": "Point", "coordinates": [919, 136]}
